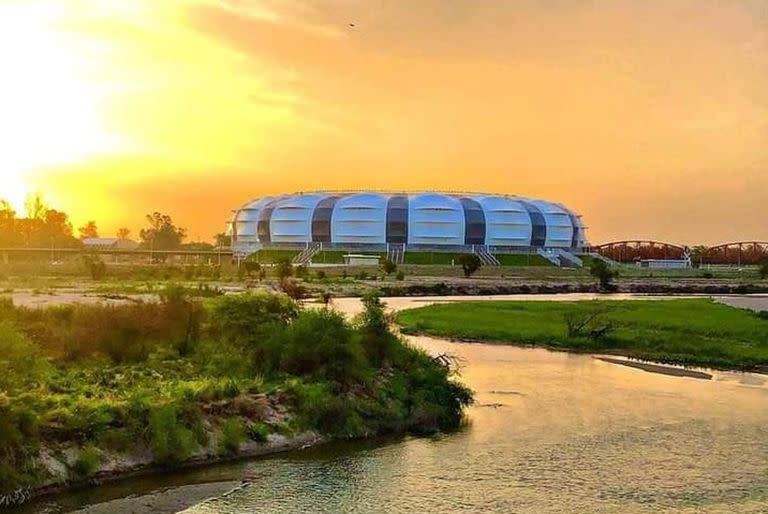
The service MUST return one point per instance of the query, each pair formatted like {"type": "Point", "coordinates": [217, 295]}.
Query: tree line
{"type": "Point", "coordinates": [41, 226]}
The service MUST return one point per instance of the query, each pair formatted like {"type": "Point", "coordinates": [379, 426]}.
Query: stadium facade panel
{"type": "Point", "coordinates": [424, 219]}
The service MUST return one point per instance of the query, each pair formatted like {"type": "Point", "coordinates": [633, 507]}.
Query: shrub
{"type": "Point", "coordinates": [470, 263]}
{"type": "Point", "coordinates": [22, 364]}
{"type": "Point", "coordinates": [87, 463]}
{"type": "Point", "coordinates": [245, 319]}
{"type": "Point", "coordinates": [320, 275]}
{"type": "Point", "coordinates": [318, 343]}
{"type": "Point", "coordinates": [95, 266]}
{"type": "Point", "coordinates": [258, 432]}
{"type": "Point", "coordinates": [169, 440]}
{"type": "Point", "coordinates": [284, 268]}
{"type": "Point", "coordinates": [388, 266]}
{"type": "Point", "coordinates": [378, 342]}
{"type": "Point", "coordinates": [292, 288]}
{"type": "Point", "coordinates": [400, 275]}
{"type": "Point", "coordinates": [251, 267]}
{"type": "Point", "coordinates": [232, 436]}
{"type": "Point", "coordinates": [603, 272]}
{"type": "Point", "coordinates": [763, 270]}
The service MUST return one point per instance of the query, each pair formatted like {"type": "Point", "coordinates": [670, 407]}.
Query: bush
{"type": "Point", "coordinates": [320, 275]}
{"type": "Point", "coordinates": [388, 266]}
{"type": "Point", "coordinates": [373, 325]}
{"type": "Point", "coordinates": [232, 436]}
{"type": "Point", "coordinates": [169, 440]}
{"type": "Point", "coordinates": [87, 463]}
{"type": "Point", "coordinates": [22, 364]}
{"type": "Point", "coordinates": [400, 275]}
{"type": "Point", "coordinates": [251, 267]}
{"type": "Point", "coordinates": [95, 266]}
{"type": "Point", "coordinates": [603, 272]}
{"type": "Point", "coordinates": [318, 343]}
{"type": "Point", "coordinates": [258, 432]}
{"type": "Point", "coordinates": [292, 288]}
{"type": "Point", "coordinates": [244, 320]}
{"type": "Point", "coordinates": [284, 268]}
{"type": "Point", "coordinates": [763, 270]}
{"type": "Point", "coordinates": [470, 263]}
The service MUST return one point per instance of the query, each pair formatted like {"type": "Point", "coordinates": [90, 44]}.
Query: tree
{"type": "Point", "coordinates": [123, 233]}
{"type": "Point", "coordinates": [697, 255]}
{"type": "Point", "coordinates": [600, 270]}
{"type": "Point", "coordinates": [388, 266]}
{"type": "Point", "coordinates": [284, 268]}
{"type": "Point", "coordinates": [8, 229]}
{"type": "Point", "coordinates": [162, 233]}
{"type": "Point", "coordinates": [223, 240]}
{"type": "Point", "coordinates": [36, 207]}
{"type": "Point", "coordinates": [89, 230]}
{"type": "Point", "coordinates": [470, 263]}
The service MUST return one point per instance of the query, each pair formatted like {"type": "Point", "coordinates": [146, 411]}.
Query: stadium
{"type": "Point", "coordinates": [396, 223]}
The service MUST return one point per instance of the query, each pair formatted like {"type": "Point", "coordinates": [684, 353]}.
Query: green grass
{"type": "Point", "coordinates": [690, 332]}
{"type": "Point", "coordinates": [448, 258]}
{"type": "Point", "coordinates": [272, 256]}
{"type": "Point", "coordinates": [432, 258]}
{"type": "Point", "coordinates": [522, 260]}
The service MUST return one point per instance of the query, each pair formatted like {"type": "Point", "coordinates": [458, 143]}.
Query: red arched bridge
{"type": "Point", "coordinates": [630, 251]}
{"type": "Point", "coordinates": [739, 253]}
{"type": "Point", "coordinates": [735, 253]}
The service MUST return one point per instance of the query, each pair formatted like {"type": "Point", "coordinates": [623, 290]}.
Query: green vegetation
{"type": "Point", "coordinates": [688, 332]}
{"type": "Point", "coordinates": [445, 258]}
{"type": "Point", "coordinates": [531, 259]}
{"type": "Point", "coordinates": [470, 263]}
{"type": "Point", "coordinates": [763, 271]}
{"type": "Point", "coordinates": [600, 269]}
{"type": "Point", "coordinates": [182, 378]}
{"type": "Point", "coordinates": [273, 256]}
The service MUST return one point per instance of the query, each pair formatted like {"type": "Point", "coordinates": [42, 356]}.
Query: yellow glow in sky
{"type": "Point", "coordinates": [49, 113]}
{"type": "Point", "coordinates": [649, 118]}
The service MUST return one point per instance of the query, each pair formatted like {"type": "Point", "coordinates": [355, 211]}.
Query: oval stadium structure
{"type": "Point", "coordinates": [378, 221]}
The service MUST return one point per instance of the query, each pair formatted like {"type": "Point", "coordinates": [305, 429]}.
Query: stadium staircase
{"type": "Point", "coordinates": [486, 257]}
{"type": "Point", "coordinates": [567, 259]}
{"type": "Point", "coordinates": [306, 255]}
{"type": "Point", "coordinates": [550, 255]}
{"type": "Point", "coordinates": [560, 258]}
{"type": "Point", "coordinates": [396, 253]}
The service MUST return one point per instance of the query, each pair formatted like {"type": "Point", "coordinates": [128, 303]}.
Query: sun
{"type": "Point", "coordinates": [50, 113]}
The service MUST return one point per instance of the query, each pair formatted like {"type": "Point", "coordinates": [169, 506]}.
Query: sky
{"type": "Point", "coordinates": [649, 118]}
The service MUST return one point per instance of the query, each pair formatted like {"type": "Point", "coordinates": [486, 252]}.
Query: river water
{"type": "Point", "coordinates": [550, 433]}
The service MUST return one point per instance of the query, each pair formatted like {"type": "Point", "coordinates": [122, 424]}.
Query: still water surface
{"type": "Point", "coordinates": [551, 432]}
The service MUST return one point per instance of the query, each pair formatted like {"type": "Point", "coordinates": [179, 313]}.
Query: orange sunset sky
{"type": "Point", "coordinates": [648, 117]}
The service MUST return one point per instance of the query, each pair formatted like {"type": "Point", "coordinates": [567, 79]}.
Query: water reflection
{"type": "Point", "coordinates": [552, 432]}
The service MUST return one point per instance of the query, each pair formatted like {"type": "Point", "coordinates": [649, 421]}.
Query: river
{"type": "Point", "coordinates": [551, 432]}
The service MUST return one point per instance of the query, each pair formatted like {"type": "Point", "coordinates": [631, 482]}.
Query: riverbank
{"type": "Point", "coordinates": [690, 332]}
{"type": "Point", "coordinates": [94, 393]}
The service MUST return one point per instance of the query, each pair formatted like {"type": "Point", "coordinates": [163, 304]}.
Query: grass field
{"type": "Point", "coordinates": [689, 332]}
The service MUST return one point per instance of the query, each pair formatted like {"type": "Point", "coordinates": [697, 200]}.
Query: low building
{"type": "Point", "coordinates": [664, 263]}
{"type": "Point", "coordinates": [361, 260]}
{"type": "Point", "coordinates": [109, 243]}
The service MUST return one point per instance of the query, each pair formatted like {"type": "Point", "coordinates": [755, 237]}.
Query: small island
{"type": "Point", "coordinates": [688, 332]}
